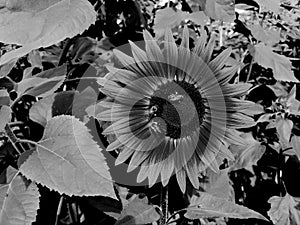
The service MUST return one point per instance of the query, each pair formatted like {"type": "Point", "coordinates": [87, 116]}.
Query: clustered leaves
{"type": "Point", "coordinates": [49, 97]}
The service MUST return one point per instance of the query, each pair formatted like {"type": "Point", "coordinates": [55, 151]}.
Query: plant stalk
{"type": "Point", "coordinates": [64, 53]}
{"type": "Point", "coordinates": [164, 204]}
{"type": "Point", "coordinates": [13, 139]}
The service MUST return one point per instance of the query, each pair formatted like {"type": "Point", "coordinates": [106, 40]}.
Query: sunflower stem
{"type": "Point", "coordinates": [12, 138]}
{"type": "Point", "coordinates": [59, 209]}
{"type": "Point", "coordinates": [64, 53]}
{"type": "Point", "coordinates": [221, 34]}
{"type": "Point", "coordinates": [164, 204]}
{"type": "Point", "coordinates": [250, 70]}
{"type": "Point", "coordinates": [168, 3]}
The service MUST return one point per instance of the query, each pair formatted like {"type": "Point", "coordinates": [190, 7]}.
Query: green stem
{"type": "Point", "coordinates": [221, 34]}
{"type": "Point", "coordinates": [164, 204]}
{"type": "Point", "coordinates": [63, 55]}
{"type": "Point", "coordinates": [81, 78]}
{"type": "Point", "coordinates": [27, 141]}
{"type": "Point", "coordinates": [250, 70]}
{"type": "Point", "coordinates": [59, 209]}
{"type": "Point", "coordinates": [279, 172]}
{"type": "Point", "coordinates": [13, 139]}
{"type": "Point", "coordinates": [174, 214]}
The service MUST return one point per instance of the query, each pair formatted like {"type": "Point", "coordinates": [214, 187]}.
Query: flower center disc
{"type": "Point", "coordinates": [180, 105]}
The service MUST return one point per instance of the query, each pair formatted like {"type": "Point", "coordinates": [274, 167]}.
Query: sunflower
{"type": "Point", "coordinates": [173, 110]}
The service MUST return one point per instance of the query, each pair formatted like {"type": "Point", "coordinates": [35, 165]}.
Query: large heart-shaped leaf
{"type": "Point", "coordinates": [218, 184]}
{"type": "Point", "coordinates": [266, 5]}
{"type": "Point", "coordinates": [207, 205]}
{"type": "Point", "coordinates": [19, 200]}
{"type": "Point", "coordinates": [247, 155]}
{"type": "Point", "coordinates": [41, 23]}
{"type": "Point", "coordinates": [222, 10]}
{"type": "Point", "coordinates": [281, 65]}
{"type": "Point", "coordinates": [69, 161]}
{"type": "Point", "coordinates": [267, 36]}
{"type": "Point", "coordinates": [168, 18]}
{"type": "Point", "coordinates": [44, 83]}
{"type": "Point", "coordinates": [5, 116]}
{"type": "Point", "coordinates": [138, 212]}
{"type": "Point", "coordinates": [284, 130]}
{"type": "Point", "coordinates": [66, 102]}
{"type": "Point", "coordinates": [4, 98]}
{"type": "Point", "coordinates": [283, 210]}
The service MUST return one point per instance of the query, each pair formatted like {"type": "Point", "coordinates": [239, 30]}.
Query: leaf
{"type": "Point", "coordinates": [104, 204]}
{"type": "Point", "coordinates": [4, 98]}
{"type": "Point", "coordinates": [198, 18]}
{"type": "Point", "coordinates": [222, 10]}
{"type": "Point", "coordinates": [281, 65]}
{"type": "Point", "coordinates": [34, 24]}
{"type": "Point", "coordinates": [67, 102]}
{"type": "Point", "coordinates": [247, 155]}
{"type": "Point", "coordinates": [254, 109]}
{"type": "Point", "coordinates": [167, 18]}
{"type": "Point", "coordinates": [6, 68]}
{"type": "Point", "coordinates": [34, 58]}
{"type": "Point", "coordinates": [272, 5]}
{"type": "Point", "coordinates": [19, 202]}
{"type": "Point", "coordinates": [5, 116]}
{"type": "Point", "coordinates": [292, 103]}
{"type": "Point", "coordinates": [269, 37]}
{"type": "Point", "coordinates": [207, 205]}
{"type": "Point", "coordinates": [54, 72]}
{"type": "Point", "coordinates": [41, 111]}
{"type": "Point", "coordinates": [138, 212]}
{"type": "Point", "coordinates": [218, 184]}
{"type": "Point", "coordinates": [69, 161]}
{"type": "Point", "coordinates": [278, 89]}
{"type": "Point", "coordinates": [81, 47]}
{"type": "Point", "coordinates": [295, 142]}
{"type": "Point", "coordinates": [284, 130]}
{"type": "Point", "coordinates": [43, 84]}
{"type": "Point", "coordinates": [24, 156]}
{"type": "Point", "coordinates": [283, 210]}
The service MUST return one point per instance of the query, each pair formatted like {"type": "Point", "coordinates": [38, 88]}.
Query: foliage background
{"type": "Point", "coordinates": [265, 39]}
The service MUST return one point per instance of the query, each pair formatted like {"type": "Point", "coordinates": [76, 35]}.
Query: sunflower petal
{"type": "Point", "coordinates": [200, 44]}
{"type": "Point", "coordinates": [183, 62]}
{"type": "Point", "coordinates": [167, 170]}
{"type": "Point", "coordinates": [239, 120]}
{"type": "Point", "coordinates": [225, 153]}
{"type": "Point", "coordinates": [126, 60]}
{"type": "Point", "coordinates": [236, 90]}
{"type": "Point", "coordinates": [233, 137]}
{"type": "Point", "coordinates": [138, 54]}
{"type": "Point", "coordinates": [226, 74]}
{"type": "Point", "coordinates": [219, 62]}
{"type": "Point", "coordinates": [123, 156]}
{"type": "Point", "coordinates": [185, 42]}
{"type": "Point", "coordinates": [214, 166]}
{"type": "Point", "coordinates": [143, 174]}
{"type": "Point", "coordinates": [154, 170]}
{"type": "Point", "coordinates": [114, 145]}
{"type": "Point", "coordinates": [181, 179]}
{"type": "Point", "coordinates": [209, 49]}
{"type": "Point", "coordinates": [136, 160]}
{"type": "Point", "coordinates": [142, 61]}
{"type": "Point", "coordinates": [171, 54]}
{"type": "Point", "coordinates": [153, 51]}
{"type": "Point", "coordinates": [124, 125]}
{"type": "Point", "coordinates": [192, 172]}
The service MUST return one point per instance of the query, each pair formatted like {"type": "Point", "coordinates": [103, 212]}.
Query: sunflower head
{"type": "Point", "coordinates": [172, 109]}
